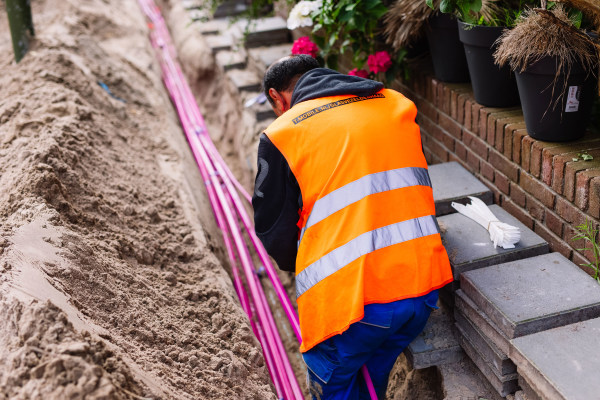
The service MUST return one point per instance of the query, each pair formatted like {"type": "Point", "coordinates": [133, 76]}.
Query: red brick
{"type": "Point", "coordinates": [594, 206]}
{"type": "Point", "coordinates": [447, 98]}
{"type": "Point", "coordinates": [460, 150]}
{"type": "Point", "coordinates": [582, 187]}
{"type": "Point", "coordinates": [569, 212]}
{"type": "Point", "coordinates": [535, 208]}
{"type": "Point", "coordinates": [438, 150]}
{"type": "Point", "coordinates": [572, 168]}
{"type": "Point", "coordinates": [555, 242]}
{"type": "Point", "coordinates": [504, 165]}
{"type": "Point", "coordinates": [460, 115]}
{"type": "Point", "coordinates": [537, 189]}
{"type": "Point", "coordinates": [495, 192]}
{"type": "Point", "coordinates": [578, 259]}
{"type": "Point", "coordinates": [535, 165]}
{"type": "Point", "coordinates": [474, 143]}
{"type": "Point", "coordinates": [450, 126]}
{"type": "Point", "coordinates": [468, 113]}
{"type": "Point", "coordinates": [517, 194]}
{"type": "Point", "coordinates": [487, 170]}
{"type": "Point", "coordinates": [473, 161]}
{"type": "Point", "coordinates": [475, 109]}
{"type": "Point", "coordinates": [454, 104]}
{"type": "Point", "coordinates": [505, 127]}
{"type": "Point", "coordinates": [502, 182]}
{"type": "Point", "coordinates": [427, 109]}
{"type": "Point", "coordinates": [526, 146]}
{"type": "Point", "coordinates": [554, 223]}
{"type": "Point", "coordinates": [518, 136]}
{"type": "Point", "coordinates": [428, 126]}
{"type": "Point", "coordinates": [558, 172]}
{"type": "Point", "coordinates": [448, 141]}
{"type": "Point", "coordinates": [518, 213]}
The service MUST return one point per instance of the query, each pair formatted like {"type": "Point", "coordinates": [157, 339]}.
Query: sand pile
{"type": "Point", "coordinates": [108, 283]}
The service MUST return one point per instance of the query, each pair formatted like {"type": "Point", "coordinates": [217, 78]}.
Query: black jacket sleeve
{"type": "Point", "coordinates": [276, 201]}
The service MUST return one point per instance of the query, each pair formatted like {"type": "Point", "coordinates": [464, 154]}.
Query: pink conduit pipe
{"type": "Point", "coordinates": [273, 345]}
{"type": "Point", "coordinates": [290, 390]}
{"type": "Point", "coordinates": [194, 124]}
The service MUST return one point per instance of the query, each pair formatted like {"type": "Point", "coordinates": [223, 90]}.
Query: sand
{"type": "Point", "coordinates": [111, 284]}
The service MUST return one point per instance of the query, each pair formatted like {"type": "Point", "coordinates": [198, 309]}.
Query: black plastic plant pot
{"type": "Point", "coordinates": [492, 86]}
{"type": "Point", "coordinates": [556, 111]}
{"type": "Point", "coordinates": [447, 52]}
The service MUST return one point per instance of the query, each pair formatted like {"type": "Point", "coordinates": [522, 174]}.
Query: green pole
{"type": "Point", "coordinates": [21, 26]}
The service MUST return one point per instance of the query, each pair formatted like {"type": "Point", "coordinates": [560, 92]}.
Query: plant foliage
{"type": "Point", "coordinates": [589, 234]}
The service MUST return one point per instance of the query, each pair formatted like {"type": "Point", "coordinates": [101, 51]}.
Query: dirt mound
{"type": "Point", "coordinates": [108, 279]}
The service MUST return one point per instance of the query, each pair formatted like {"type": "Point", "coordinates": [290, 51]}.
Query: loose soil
{"type": "Point", "coordinates": [109, 282]}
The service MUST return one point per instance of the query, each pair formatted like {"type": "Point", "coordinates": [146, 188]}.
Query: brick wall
{"type": "Point", "coordinates": [537, 182]}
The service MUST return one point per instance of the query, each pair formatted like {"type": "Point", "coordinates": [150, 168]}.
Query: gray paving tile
{"type": "Point", "coordinates": [266, 32]}
{"type": "Point", "coordinates": [563, 362]}
{"type": "Point", "coordinates": [230, 8]}
{"type": "Point", "coordinates": [244, 80]}
{"type": "Point", "coordinates": [531, 295]}
{"type": "Point", "coordinates": [481, 321]}
{"type": "Point", "coordinates": [504, 384]}
{"type": "Point", "coordinates": [231, 59]}
{"type": "Point", "coordinates": [469, 246]}
{"type": "Point", "coordinates": [213, 27]}
{"type": "Point", "coordinates": [529, 393]}
{"type": "Point", "coordinates": [267, 55]}
{"type": "Point", "coordinates": [452, 182]}
{"type": "Point", "coordinates": [437, 344]}
{"type": "Point", "coordinates": [496, 359]}
{"type": "Point", "coordinates": [219, 42]}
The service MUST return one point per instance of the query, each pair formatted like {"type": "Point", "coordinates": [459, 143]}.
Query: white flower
{"type": "Point", "coordinates": [300, 14]}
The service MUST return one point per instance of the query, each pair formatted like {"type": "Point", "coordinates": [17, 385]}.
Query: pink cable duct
{"type": "Point", "coordinates": [272, 340]}
{"type": "Point", "coordinates": [213, 170]}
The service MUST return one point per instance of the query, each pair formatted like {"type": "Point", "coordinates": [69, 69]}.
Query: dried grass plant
{"type": "Point", "coordinates": [540, 33]}
{"type": "Point", "coordinates": [406, 19]}
{"type": "Point", "coordinates": [591, 8]}
{"type": "Point", "coordinates": [543, 33]}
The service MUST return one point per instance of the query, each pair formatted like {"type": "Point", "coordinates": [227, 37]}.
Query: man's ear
{"type": "Point", "coordinates": [280, 101]}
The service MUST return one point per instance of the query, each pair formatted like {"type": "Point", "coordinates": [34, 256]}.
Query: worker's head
{"type": "Point", "coordinates": [281, 77]}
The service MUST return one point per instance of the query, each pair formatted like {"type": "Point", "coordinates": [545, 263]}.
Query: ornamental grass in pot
{"type": "Point", "coordinates": [478, 30]}
{"type": "Point", "coordinates": [408, 20]}
{"type": "Point", "coordinates": [556, 65]}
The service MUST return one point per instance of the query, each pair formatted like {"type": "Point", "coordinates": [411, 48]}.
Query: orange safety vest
{"type": "Point", "coordinates": [368, 227]}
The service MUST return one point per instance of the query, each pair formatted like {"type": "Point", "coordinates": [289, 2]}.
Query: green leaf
{"type": "Point", "coordinates": [345, 16]}
{"type": "Point", "coordinates": [378, 11]}
{"type": "Point", "coordinates": [475, 6]}
{"type": "Point", "coordinates": [430, 4]}
{"type": "Point", "coordinates": [320, 41]}
{"type": "Point", "coordinates": [587, 157]}
{"type": "Point", "coordinates": [446, 6]}
{"type": "Point", "coordinates": [576, 17]}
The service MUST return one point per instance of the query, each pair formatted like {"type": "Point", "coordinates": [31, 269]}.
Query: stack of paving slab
{"type": "Point", "coordinates": [504, 312]}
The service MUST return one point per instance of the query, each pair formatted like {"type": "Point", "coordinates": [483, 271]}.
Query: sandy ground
{"type": "Point", "coordinates": [109, 285]}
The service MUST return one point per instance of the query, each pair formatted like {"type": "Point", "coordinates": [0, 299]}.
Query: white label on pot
{"type": "Point", "coordinates": [573, 99]}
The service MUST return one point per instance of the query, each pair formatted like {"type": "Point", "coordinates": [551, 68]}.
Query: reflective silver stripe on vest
{"type": "Point", "coordinates": [363, 187]}
{"type": "Point", "coordinates": [366, 243]}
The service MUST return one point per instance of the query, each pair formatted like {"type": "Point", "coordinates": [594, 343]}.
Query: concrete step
{"type": "Point", "coordinates": [262, 111]}
{"type": "Point", "coordinates": [463, 381]}
{"type": "Point", "coordinates": [528, 392]}
{"type": "Point", "coordinates": [199, 15]}
{"type": "Point", "coordinates": [437, 344]}
{"type": "Point", "coordinates": [503, 384]}
{"type": "Point", "coordinates": [452, 182]}
{"type": "Point", "coordinates": [244, 80]}
{"type": "Point", "coordinates": [266, 32]}
{"type": "Point", "coordinates": [481, 321]}
{"type": "Point", "coordinates": [469, 246]}
{"type": "Point", "coordinates": [534, 294]}
{"type": "Point", "coordinates": [214, 26]}
{"type": "Point", "coordinates": [563, 363]}
{"type": "Point", "coordinates": [228, 59]}
{"type": "Point", "coordinates": [263, 56]}
{"type": "Point", "coordinates": [220, 42]}
{"type": "Point", "coordinates": [230, 8]}
{"type": "Point", "coordinates": [496, 359]}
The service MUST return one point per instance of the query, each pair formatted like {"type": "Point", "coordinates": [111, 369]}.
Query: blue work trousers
{"type": "Point", "coordinates": [377, 340]}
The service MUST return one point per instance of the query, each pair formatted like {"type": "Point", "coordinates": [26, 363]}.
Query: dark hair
{"type": "Point", "coordinates": [281, 75]}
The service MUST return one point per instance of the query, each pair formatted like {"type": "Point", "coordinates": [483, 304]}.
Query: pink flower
{"type": "Point", "coordinates": [359, 72]}
{"type": "Point", "coordinates": [379, 62]}
{"type": "Point", "coordinates": [304, 46]}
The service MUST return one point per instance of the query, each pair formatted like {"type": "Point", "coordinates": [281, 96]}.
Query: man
{"type": "Point", "coordinates": [343, 198]}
